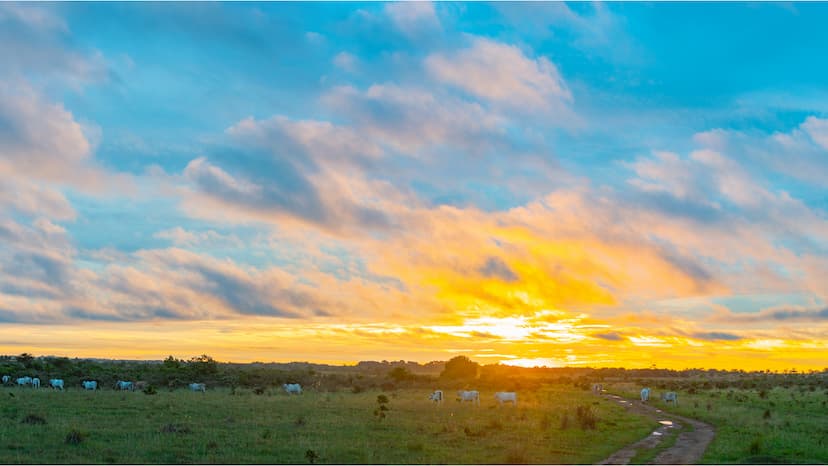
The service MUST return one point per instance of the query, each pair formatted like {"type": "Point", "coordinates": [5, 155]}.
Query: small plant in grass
{"type": "Point", "coordinates": [311, 456]}
{"type": "Point", "coordinates": [33, 419]}
{"type": "Point", "coordinates": [379, 413]}
{"type": "Point", "coordinates": [259, 390]}
{"type": "Point", "coordinates": [545, 422]}
{"type": "Point", "coordinates": [266, 434]}
{"type": "Point", "coordinates": [150, 390]}
{"type": "Point", "coordinates": [212, 445]}
{"type": "Point", "coordinates": [516, 457]}
{"type": "Point", "coordinates": [565, 421]}
{"type": "Point", "coordinates": [300, 421]}
{"type": "Point", "coordinates": [586, 417]}
{"type": "Point", "coordinates": [175, 429]}
{"type": "Point", "coordinates": [74, 437]}
{"type": "Point", "coordinates": [767, 414]}
{"type": "Point", "coordinates": [755, 447]}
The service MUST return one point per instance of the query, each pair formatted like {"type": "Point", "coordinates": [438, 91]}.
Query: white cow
{"type": "Point", "coordinates": [90, 385]}
{"type": "Point", "coordinates": [23, 381]}
{"type": "Point", "coordinates": [436, 396]}
{"type": "Point", "coordinates": [597, 388]}
{"type": "Point", "coordinates": [645, 394]}
{"type": "Point", "coordinates": [198, 387]}
{"type": "Point", "coordinates": [124, 385]}
{"type": "Point", "coordinates": [6, 379]}
{"type": "Point", "coordinates": [504, 397]}
{"type": "Point", "coordinates": [35, 383]}
{"type": "Point", "coordinates": [56, 384]}
{"type": "Point", "coordinates": [292, 388]}
{"type": "Point", "coordinates": [670, 396]}
{"type": "Point", "coordinates": [469, 395]}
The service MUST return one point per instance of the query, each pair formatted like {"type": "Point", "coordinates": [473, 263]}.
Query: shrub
{"type": "Point", "coordinates": [586, 417]}
{"type": "Point", "coordinates": [74, 437]}
{"type": "Point", "coordinates": [754, 447]}
{"type": "Point", "coordinates": [33, 419]}
{"type": "Point", "coordinates": [150, 390]}
{"type": "Point", "coordinates": [175, 429]}
{"type": "Point", "coordinates": [565, 420]}
{"type": "Point", "coordinates": [311, 456]}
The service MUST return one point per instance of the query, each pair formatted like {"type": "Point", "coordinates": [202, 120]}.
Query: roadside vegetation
{"type": "Point", "coordinates": [770, 419]}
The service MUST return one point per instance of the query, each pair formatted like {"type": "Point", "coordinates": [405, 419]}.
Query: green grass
{"type": "Point", "coordinates": [217, 427]}
{"type": "Point", "coordinates": [795, 431]}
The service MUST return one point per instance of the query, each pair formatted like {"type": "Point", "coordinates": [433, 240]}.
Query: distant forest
{"type": "Point", "coordinates": [459, 372]}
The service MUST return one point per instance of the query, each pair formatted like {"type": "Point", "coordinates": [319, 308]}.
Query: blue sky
{"type": "Point", "coordinates": [415, 166]}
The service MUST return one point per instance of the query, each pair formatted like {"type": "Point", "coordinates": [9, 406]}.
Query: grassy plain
{"type": "Point", "coordinates": [774, 425]}
{"type": "Point", "coordinates": [338, 427]}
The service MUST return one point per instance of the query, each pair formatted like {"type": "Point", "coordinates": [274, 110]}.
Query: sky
{"type": "Point", "coordinates": [585, 184]}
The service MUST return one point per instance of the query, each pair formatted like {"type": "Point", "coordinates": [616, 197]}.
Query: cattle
{"type": "Point", "coordinates": [124, 385]}
{"type": "Point", "coordinates": [504, 397]}
{"type": "Point", "coordinates": [6, 379]}
{"type": "Point", "coordinates": [57, 384]}
{"type": "Point", "coordinates": [141, 385]}
{"type": "Point", "coordinates": [292, 388]}
{"type": "Point", "coordinates": [645, 394]}
{"type": "Point", "coordinates": [23, 381]}
{"type": "Point", "coordinates": [35, 383]}
{"type": "Point", "coordinates": [198, 387]}
{"type": "Point", "coordinates": [670, 396]}
{"type": "Point", "coordinates": [468, 395]}
{"type": "Point", "coordinates": [597, 388]}
{"type": "Point", "coordinates": [436, 396]}
{"type": "Point", "coordinates": [90, 385]}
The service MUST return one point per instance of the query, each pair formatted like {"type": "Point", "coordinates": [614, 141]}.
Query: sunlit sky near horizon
{"type": "Point", "coordinates": [586, 184]}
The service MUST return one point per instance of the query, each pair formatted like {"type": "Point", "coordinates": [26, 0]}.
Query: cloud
{"type": "Point", "coordinates": [612, 336]}
{"type": "Point", "coordinates": [282, 169]}
{"type": "Point", "coordinates": [413, 19]}
{"type": "Point", "coordinates": [501, 74]}
{"type": "Point", "coordinates": [346, 61]}
{"type": "Point", "coordinates": [817, 129]}
{"type": "Point", "coordinates": [33, 39]}
{"type": "Point", "coordinates": [411, 119]}
{"type": "Point", "coordinates": [716, 336]}
{"type": "Point", "coordinates": [778, 314]}
{"type": "Point", "coordinates": [496, 268]}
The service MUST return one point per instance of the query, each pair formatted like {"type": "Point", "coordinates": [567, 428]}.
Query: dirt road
{"type": "Point", "coordinates": [688, 449]}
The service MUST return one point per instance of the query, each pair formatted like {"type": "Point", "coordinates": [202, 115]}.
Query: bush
{"type": "Point", "coordinates": [586, 417]}
{"type": "Point", "coordinates": [33, 419]}
{"type": "Point", "coordinates": [74, 437]}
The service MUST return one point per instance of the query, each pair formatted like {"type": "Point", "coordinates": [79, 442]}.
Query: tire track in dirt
{"type": "Point", "coordinates": [689, 446]}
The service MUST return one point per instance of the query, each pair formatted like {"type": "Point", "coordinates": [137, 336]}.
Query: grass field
{"type": "Point", "coordinates": [775, 425]}
{"type": "Point", "coordinates": [341, 427]}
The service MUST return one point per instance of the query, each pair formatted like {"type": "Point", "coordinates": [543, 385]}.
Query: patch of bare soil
{"type": "Point", "coordinates": [688, 449]}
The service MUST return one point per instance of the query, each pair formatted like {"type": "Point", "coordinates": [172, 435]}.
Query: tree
{"type": "Point", "coordinates": [400, 374]}
{"type": "Point", "coordinates": [460, 367]}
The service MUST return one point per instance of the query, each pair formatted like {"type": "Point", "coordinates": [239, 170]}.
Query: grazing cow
{"type": "Point", "coordinates": [468, 395]}
{"type": "Point", "coordinates": [90, 385]}
{"type": "Point", "coordinates": [56, 384]}
{"type": "Point", "coordinates": [141, 385]}
{"type": "Point", "coordinates": [6, 379]}
{"type": "Point", "coordinates": [23, 381]}
{"type": "Point", "coordinates": [504, 397]}
{"type": "Point", "coordinates": [35, 383]}
{"type": "Point", "coordinates": [198, 387]}
{"type": "Point", "coordinates": [597, 388]}
{"type": "Point", "coordinates": [670, 396]}
{"type": "Point", "coordinates": [124, 385]}
{"type": "Point", "coordinates": [292, 388]}
{"type": "Point", "coordinates": [436, 396]}
{"type": "Point", "coordinates": [645, 394]}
